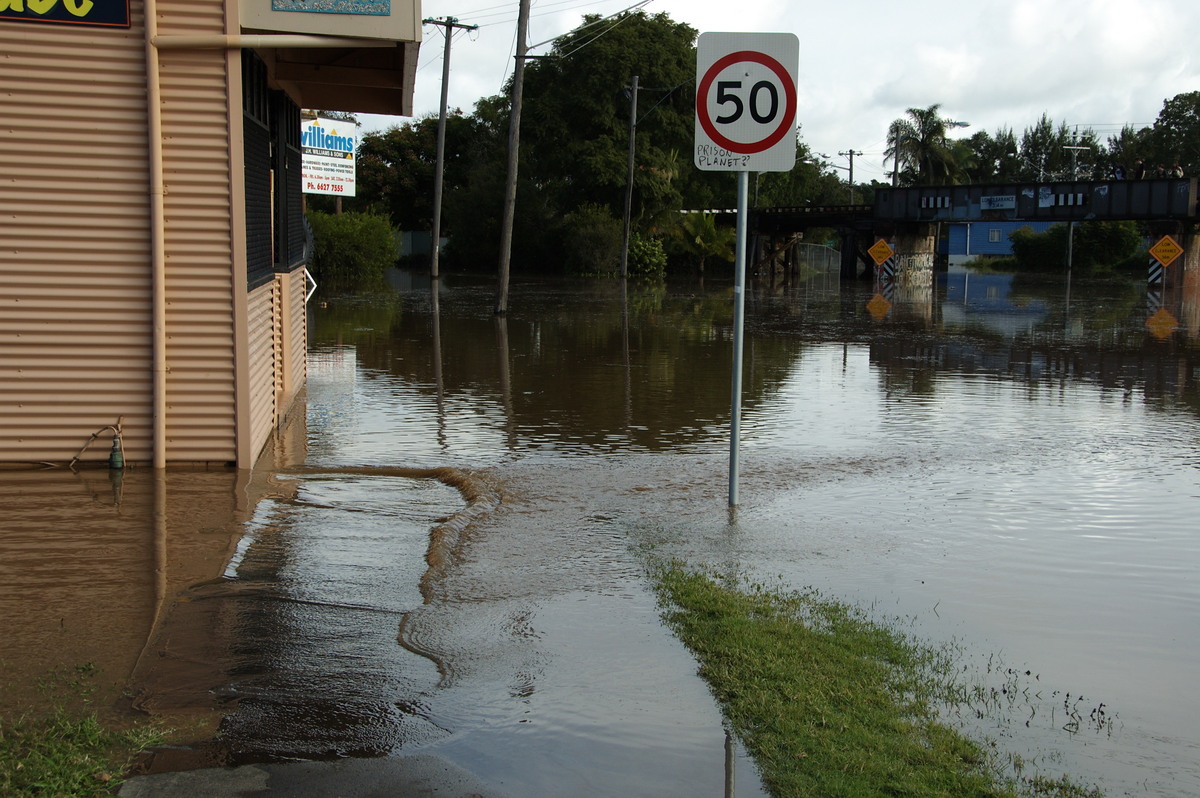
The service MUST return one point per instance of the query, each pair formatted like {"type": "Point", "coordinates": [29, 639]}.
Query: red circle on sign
{"type": "Point", "coordinates": [789, 113]}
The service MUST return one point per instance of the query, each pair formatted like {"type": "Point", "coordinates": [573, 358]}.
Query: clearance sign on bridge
{"type": "Point", "coordinates": [745, 122]}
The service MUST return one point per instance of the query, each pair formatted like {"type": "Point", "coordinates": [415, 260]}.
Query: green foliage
{"type": "Point", "coordinates": [1097, 247]}
{"type": "Point", "coordinates": [351, 248]}
{"type": "Point", "coordinates": [647, 258]}
{"type": "Point", "coordinates": [1045, 149]}
{"type": "Point", "coordinates": [808, 182]}
{"type": "Point", "coordinates": [396, 169]}
{"type": "Point", "coordinates": [696, 237]}
{"type": "Point", "coordinates": [575, 129]}
{"type": "Point", "coordinates": [574, 148]}
{"type": "Point", "coordinates": [1176, 135]}
{"type": "Point", "coordinates": [66, 750]}
{"type": "Point", "coordinates": [591, 241]}
{"type": "Point", "coordinates": [995, 159]}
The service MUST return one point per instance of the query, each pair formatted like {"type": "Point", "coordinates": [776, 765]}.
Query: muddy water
{"type": "Point", "coordinates": [446, 560]}
{"type": "Point", "coordinates": [88, 559]}
{"type": "Point", "coordinates": [1013, 468]}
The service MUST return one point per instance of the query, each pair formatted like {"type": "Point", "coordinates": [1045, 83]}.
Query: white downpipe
{"type": "Point", "coordinates": [220, 41]}
{"type": "Point", "coordinates": [158, 257]}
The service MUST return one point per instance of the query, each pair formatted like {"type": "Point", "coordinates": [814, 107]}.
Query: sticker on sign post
{"type": "Point", "coordinates": [746, 102]}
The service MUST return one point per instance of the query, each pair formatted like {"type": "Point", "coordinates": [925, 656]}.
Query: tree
{"type": "Point", "coordinates": [395, 168]}
{"type": "Point", "coordinates": [1097, 247]}
{"type": "Point", "coordinates": [919, 147]}
{"type": "Point", "coordinates": [1128, 146]}
{"type": "Point", "coordinates": [351, 249]}
{"type": "Point", "coordinates": [1175, 137]}
{"type": "Point", "coordinates": [697, 237]}
{"type": "Point", "coordinates": [1041, 151]}
{"type": "Point", "coordinates": [992, 159]}
{"type": "Point", "coordinates": [575, 132]}
{"type": "Point", "coordinates": [808, 182]}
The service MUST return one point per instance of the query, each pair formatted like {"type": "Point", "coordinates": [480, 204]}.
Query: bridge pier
{"type": "Point", "coordinates": [850, 267]}
{"type": "Point", "coordinates": [1189, 282]}
{"type": "Point", "coordinates": [916, 248]}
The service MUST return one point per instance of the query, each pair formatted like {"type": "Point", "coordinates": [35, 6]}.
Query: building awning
{"type": "Point", "coordinates": [371, 80]}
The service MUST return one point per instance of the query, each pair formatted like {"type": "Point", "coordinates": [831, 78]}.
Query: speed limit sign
{"type": "Point", "coordinates": [746, 102]}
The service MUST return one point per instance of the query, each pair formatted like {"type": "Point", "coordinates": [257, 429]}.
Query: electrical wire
{"type": "Point", "coordinates": [606, 30]}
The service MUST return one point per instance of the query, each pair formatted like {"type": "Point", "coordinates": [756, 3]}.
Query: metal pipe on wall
{"type": "Point", "coordinates": [219, 41]}
{"type": "Point", "coordinates": [158, 257]}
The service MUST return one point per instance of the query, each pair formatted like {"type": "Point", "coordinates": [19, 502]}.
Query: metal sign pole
{"type": "Point", "coordinates": [739, 315]}
{"type": "Point", "coordinates": [745, 122]}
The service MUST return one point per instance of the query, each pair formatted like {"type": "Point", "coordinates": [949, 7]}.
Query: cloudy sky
{"type": "Point", "coordinates": [992, 63]}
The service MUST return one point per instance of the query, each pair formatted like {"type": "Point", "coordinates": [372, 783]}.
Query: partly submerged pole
{"type": "Point", "coordinates": [514, 143]}
{"type": "Point", "coordinates": [739, 315]}
{"type": "Point", "coordinates": [633, 97]}
{"type": "Point", "coordinates": [449, 23]}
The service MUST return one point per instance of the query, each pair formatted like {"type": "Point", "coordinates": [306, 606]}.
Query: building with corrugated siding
{"type": "Point", "coordinates": [152, 240]}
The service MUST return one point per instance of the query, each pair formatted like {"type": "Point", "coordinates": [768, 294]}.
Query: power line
{"type": "Point", "coordinates": [601, 33]}
{"type": "Point", "coordinates": [506, 15]}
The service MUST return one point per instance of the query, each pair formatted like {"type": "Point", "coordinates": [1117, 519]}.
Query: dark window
{"type": "Point", "coordinates": [289, 215]}
{"type": "Point", "coordinates": [257, 142]}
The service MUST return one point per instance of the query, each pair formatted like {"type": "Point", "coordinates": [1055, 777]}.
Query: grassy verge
{"type": "Point", "coordinates": [66, 750]}
{"type": "Point", "coordinates": [828, 702]}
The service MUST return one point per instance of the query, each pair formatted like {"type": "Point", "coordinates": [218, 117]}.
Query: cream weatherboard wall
{"type": "Point", "coordinates": [75, 271]}
{"type": "Point", "coordinates": [75, 294]}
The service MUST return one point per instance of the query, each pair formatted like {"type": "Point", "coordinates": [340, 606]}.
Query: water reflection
{"type": "Point", "coordinates": [88, 558]}
{"type": "Point", "coordinates": [1023, 462]}
{"type": "Point", "coordinates": [1017, 467]}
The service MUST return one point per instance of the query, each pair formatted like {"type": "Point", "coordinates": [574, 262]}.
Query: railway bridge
{"type": "Point", "coordinates": [909, 218]}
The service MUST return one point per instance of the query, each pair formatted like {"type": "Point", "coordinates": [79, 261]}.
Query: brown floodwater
{"type": "Point", "coordinates": [448, 556]}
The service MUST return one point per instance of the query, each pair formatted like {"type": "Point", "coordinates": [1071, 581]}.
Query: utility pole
{"type": "Point", "coordinates": [514, 143]}
{"type": "Point", "coordinates": [633, 98]}
{"type": "Point", "coordinates": [1074, 148]}
{"type": "Point", "coordinates": [449, 24]}
{"type": "Point", "coordinates": [851, 153]}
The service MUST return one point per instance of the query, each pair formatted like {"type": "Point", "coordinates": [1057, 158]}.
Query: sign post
{"type": "Point", "coordinates": [745, 122]}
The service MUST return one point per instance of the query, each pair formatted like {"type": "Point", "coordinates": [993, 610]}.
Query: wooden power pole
{"type": "Point", "coordinates": [514, 143]}
{"type": "Point", "coordinates": [449, 23]}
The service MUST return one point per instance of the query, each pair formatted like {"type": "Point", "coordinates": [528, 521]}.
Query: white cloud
{"type": "Point", "coordinates": [994, 63]}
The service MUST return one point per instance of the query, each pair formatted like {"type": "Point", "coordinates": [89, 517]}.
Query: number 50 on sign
{"type": "Point", "coordinates": [746, 101]}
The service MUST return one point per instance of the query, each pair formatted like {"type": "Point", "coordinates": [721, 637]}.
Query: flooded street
{"type": "Point", "coordinates": [448, 558]}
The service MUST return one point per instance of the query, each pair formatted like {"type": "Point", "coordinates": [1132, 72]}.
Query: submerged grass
{"type": "Point", "coordinates": [828, 702]}
{"type": "Point", "coordinates": [66, 750]}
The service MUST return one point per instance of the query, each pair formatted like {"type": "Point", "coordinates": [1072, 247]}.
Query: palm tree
{"type": "Point", "coordinates": [919, 145]}
{"type": "Point", "coordinates": [699, 236]}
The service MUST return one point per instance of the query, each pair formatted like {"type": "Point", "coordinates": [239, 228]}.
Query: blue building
{"type": "Point", "coordinates": [969, 240]}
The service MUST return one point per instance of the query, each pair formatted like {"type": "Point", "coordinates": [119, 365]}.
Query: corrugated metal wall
{"type": "Point", "coordinates": [294, 353]}
{"type": "Point", "coordinates": [75, 272]}
{"type": "Point", "coordinates": [200, 282]}
{"type": "Point", "coordinates": [263, 411]}
{"type": "Point", "coordinates": [75, 337]}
